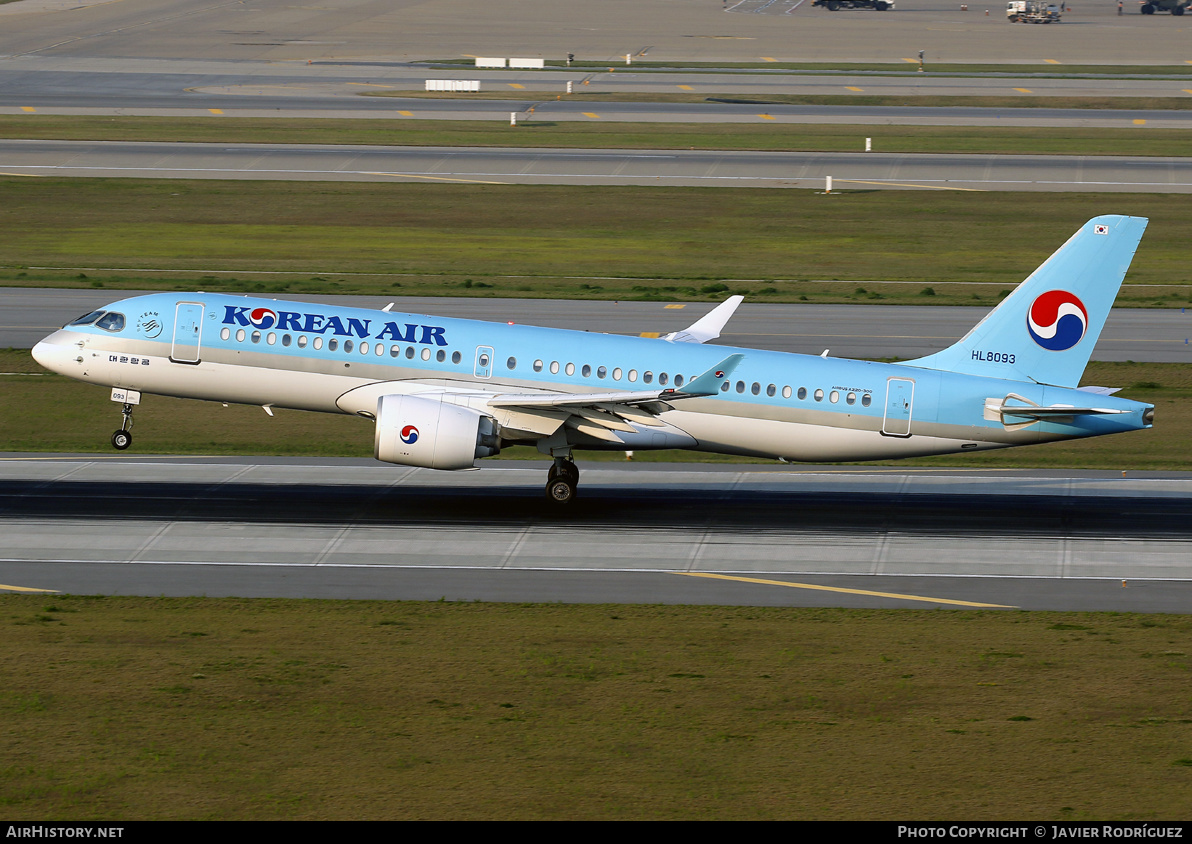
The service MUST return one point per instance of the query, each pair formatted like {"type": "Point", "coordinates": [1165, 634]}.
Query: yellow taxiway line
{"type": "Point", "coordinates": [844, 590]}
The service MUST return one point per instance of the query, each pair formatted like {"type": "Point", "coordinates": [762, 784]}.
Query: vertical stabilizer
{"type": "Point", "coordinates": [1046, 329]}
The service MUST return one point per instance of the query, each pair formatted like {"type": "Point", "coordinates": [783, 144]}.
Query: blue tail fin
{"type": "Point", "coordinates": [1046, 329]}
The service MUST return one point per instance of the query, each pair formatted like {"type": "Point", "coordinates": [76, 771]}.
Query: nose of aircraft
{"type": "Point", "coordinates": [52, 355]}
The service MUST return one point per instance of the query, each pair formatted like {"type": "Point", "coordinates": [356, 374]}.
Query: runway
{"type": "Point", "coordinates": [639, 533]}
{"type": "Point", "coordinates": [852, 331]}
{"type": "Point", "coordinates": [310, 162]}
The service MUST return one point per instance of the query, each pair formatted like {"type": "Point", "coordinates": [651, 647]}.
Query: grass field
{"type": "Point", "coordinates": [269, 709]}
{"type": "Point", "coordinates": [51, 413]}
{"type": "Point", "coordinates": [563, 242]}
{"type": "Point", "coordinates": [829, 137]}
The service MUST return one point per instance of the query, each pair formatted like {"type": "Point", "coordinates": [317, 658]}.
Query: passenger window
{"type": "Point", "coordinates": [332, 344]}
{"type": "Point", "coordinates": [851, 398]}
{"type": "Point", "coordinates": [786, 392]}
{"type": "Point", "coordinates": [286, 339]}
{"type": "Point", "coordinates": [834, 396]}
{"type": "Point", "coordinates": [364, 348]}
{"type": "Point", "coordinates": [678, 380]}
{"type": "Point", "coordinates": [455, 357]}
{"type": "Point", "coordinates": [239, 335]}
{"type": "Point", "coordinates": [256, 337]}
{"type": "Point", "coordinates": [223, 335]}
{"type": "Point", "coordinates": [301, 341]}
{"type": "Point", "coordinates": [318, 343]}
{"type": "Point", "coordinates": [441, 356]}
{"type": "Point", "coordinates": [409, 352]}
{"type": "Point", "coordinates": [756, 388]}
{"type": "Point", "coordinates": [511, 363]}
{"type": "Point", "coordinates": [819, 395]}
{"type": "Point", "coordinates": [866, 399]}
{"type": "Point", "coordinates": [348, 345]}
{"type": "Point", "coordinates": [570, 369]}
{"type": "Point", "coordinates": [802, 393]}
{"type": "Point", "coordinates": [771, 390]}
{"type": "Point", "coordinates": [601, 372]}
{"type": "Point", "coordinates": [740, 386]}
{"type": "Point", "coordinates": [586, 371]}
{"type": "Point", "coordinates": [647, 377]}
{"type": "Point", "coordinates": [662, 379]}
{"type": "Point", "coordinates": [538, 366]}
{"type": "Point", "coordinates": [632, 375]}
{"type": "Point", "coordinates": [426, 354]}
{"type": "Point", "coordinates": [617, 374]}
{"type": "Point", "coordinates": [554, 367]}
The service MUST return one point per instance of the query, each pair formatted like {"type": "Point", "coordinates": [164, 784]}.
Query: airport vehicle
{"type": "Point", "coordinates": [444, 392]}
{"type": "Point", "coordinates": [1032, 11]}
{"type": "Point", "coordinates": [833, 5]}
{"type": "Point", "coordinates": [1176, 7]}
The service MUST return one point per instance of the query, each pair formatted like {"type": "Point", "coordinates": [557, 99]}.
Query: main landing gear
{"type": "Point", "coordinates": [562, 480]}
{"type": "Point", "coordinates": [122, 439]}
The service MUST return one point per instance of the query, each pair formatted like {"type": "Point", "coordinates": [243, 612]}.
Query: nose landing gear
{"type": "Point", "coordinates": [122, 439]}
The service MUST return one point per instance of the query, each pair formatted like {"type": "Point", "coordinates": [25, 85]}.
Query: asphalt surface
{"type": "Point", "coordinates": [306, 162]}
{"type": "Point", "coordinates": [701, 30]}
{"type": "Point", "coordinates": [332, 89]}
{"type": "Point", "coordinates": [637, 534]}
{"type": "Point", "coordinates": [853, 331]}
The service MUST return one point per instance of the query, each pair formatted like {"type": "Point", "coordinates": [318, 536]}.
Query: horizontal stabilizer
{"type": "Point", "coordinates": [1024, 413]}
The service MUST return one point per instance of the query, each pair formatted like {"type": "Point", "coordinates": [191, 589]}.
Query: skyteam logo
{"type": "Point", "coordinates": [263, 318]}
{"type": "Point", "coordinates": [1057, 320]}
{"type": "Point", "coordinates": [409, 435]}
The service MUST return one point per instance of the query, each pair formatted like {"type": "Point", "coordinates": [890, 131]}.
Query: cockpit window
{"type": "Point", "coordinates": [111, 321]}
{"type": "Point", "coordinates": [88, 319]}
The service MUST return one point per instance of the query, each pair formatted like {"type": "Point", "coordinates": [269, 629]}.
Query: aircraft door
{"type": "Point", "coordinates": [188, 330]}
{"type": "Point", "coordinates": [484, 362]}
{"type": "Point", "coordinates": [900, 395]}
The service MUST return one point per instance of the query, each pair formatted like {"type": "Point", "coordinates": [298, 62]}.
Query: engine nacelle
{"type": "Point", "coordinates": [432, 433]}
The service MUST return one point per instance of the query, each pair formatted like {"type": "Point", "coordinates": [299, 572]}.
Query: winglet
{"type": "Point", "coordinates": [709, 383]}
{"type": "Point", "coordinates": [709, 326]}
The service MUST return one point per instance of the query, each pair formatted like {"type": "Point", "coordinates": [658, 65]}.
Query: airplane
{"type": "Point", "coordinates": [443, 393]}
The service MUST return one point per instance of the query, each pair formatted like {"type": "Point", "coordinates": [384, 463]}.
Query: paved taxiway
{"type": "Point", "coordinates": [853, 331]}
{"type": "Point", "coordinates": [638, 533]}
{"type": "Point", "coordinates": [158, 87]}
{"type": "Point", "coordinates": [699, 30]}
{"type": "Point", "coordinates": [310, 162]}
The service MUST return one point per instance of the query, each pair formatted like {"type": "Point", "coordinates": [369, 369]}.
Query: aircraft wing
{"type": "Point", "coordinates": [601, 414]}
{"type": "Point", "coordinates": [709, 326]}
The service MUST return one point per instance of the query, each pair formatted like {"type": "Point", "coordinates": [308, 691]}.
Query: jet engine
{"type": "Point", "coordinates": [432, 433]}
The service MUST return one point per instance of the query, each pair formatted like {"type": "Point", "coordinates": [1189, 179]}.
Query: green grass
{"type": "Point", "coordinates": [155, 708]}
{"type": "Point", "coordinates": [43, 412]}
{"type": "Point", "coordinates": [833, 137]}
{"type": "Point", "coordinates": [565, 242]}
